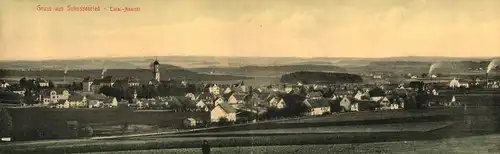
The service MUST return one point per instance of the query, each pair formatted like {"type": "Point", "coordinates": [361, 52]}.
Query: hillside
{"type": "Point", "coordinates": [142, 74]}
{"type": "Point", "coordinates": [267, 70]}
{"type": "Point", "coordinates": [320, 77]}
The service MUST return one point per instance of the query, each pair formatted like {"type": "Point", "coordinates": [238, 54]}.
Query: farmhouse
{"type": "Point", "coordinates": [318, 107]}
{"type": "Point", "coordinates": [223, 110]}
{"type": "Point", "coordinates": [77, 101]}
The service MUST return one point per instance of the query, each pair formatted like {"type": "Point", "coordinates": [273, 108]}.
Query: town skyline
{"type": "Point", "coordinates": [374, 29]}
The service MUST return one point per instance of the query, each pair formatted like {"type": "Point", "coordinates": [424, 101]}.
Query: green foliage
{"type": "Point", "coordinates": [5, 123]}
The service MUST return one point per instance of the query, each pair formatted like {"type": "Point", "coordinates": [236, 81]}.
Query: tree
{"type": "Point", "coordinates": [29, 98]}
{"type": "Point", "coordinates": [5, 123]}
{"type": "Point", "coordinates": [87, 131]}
{"type": "Point", "coordinates": [223, 121]}
{"type": "Point", "coordinates": [23, 82]}
{"type": "Point", "coordinates": [51, 84]}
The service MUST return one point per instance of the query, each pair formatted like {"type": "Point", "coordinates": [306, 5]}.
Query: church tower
{"type": "Point", "coordinates": [156, 70]}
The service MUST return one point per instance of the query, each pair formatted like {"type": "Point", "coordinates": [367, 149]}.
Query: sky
{"type": "Point", "coordinates": [275, 28]}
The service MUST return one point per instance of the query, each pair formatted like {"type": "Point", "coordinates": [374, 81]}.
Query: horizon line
{"type": "Point", "coordinates": [117, 57]}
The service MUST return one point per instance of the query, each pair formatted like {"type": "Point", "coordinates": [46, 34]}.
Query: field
{"type": "Point", "coordinates": [475, 144]}
{"type": "Point", "coordinates": [52, 122]}
{"type": "Point", "coordinates": [482, 122]}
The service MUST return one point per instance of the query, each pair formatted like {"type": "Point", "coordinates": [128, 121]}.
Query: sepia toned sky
{"type": "Point", "coordinates": [272, 28]}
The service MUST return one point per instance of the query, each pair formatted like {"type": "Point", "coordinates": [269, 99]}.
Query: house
{"type": "Point", "coordinates": [361, 95]}
{"type": "Point", "coordinates": [345, 104]}
{"type": "Point", "coordinates": [191, 96]}
{"type": "Point", "coordinates": [223, 110]}
{"type": "Point", "coordinates": [383, 101]}
{"type": "Point", "coordinates": [277, 102]}
{"type": "Point", "coordinates": [236, 99]}
{"type": "Point", "coordinates": [318, 106]}
{"type": "Point", "coordinates": [201, 106]}
{"type": "Point", "coordinates": [77, 101]}
{"type": "Point", "coordinates": [208, 98]}
{"type": "Point", "coordinates": [110, 102]}
{"type": "Point", "coordinates": [42, 82]}
{"type": "Point", "coordinates": [52, 96]}
{"type": "Point", "coordinates": [214, 89]}
{"type": "Point", "coordinates": [289, 89]}
{"type": "Point", "coordinates": [4, 84]}
{"type": "Point", "coordinates": [219, 100]}
{"type": "Point", "coordinates": [228, 90]}
{"type": "Point", "coordinates": [315, 95]}
{"type": "Point", "coordinates": [62, 104]}
{"type": "Point", "coordinates": [189, 122]}
{"type": "Point", "coordinates": [455, 83]}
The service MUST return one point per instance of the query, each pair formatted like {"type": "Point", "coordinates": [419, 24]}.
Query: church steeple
{"type": "Point", "coordinates": [156, 70]}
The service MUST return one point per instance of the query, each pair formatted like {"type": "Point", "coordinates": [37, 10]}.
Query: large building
{"type": "Point", "coordinates": [156, 73]}
{"type": "Point", "coordinates": [156, 70]}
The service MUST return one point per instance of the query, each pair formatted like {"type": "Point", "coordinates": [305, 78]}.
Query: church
{"type": "Point", "coordinates": [93, 85]}
{"type": "Point", "coordinates": [156, 73]}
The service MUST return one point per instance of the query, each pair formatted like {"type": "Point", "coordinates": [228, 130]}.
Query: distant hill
{"type": "Point", "coordinates": [167, 71]}
{"type": "Point", "coordinates": [267, 70]}
{"type": "Point", "coordinates": [308, 77]}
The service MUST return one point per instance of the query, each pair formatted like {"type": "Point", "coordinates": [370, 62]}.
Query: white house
{"type": "Point", "coordinates": [235, 99]}
{"type": "Point", "coordinates": [277, 102]}
{"type": "Point", "coordinates": [191, 96]}
{"type": "Point", "coordinates": [201, 106]}
{"type": "Point", "coordinates": [77, 101]}
{"type": "Point", "coordinates": [4, 84]}
{"type": "Point", "coordinates": [228, 90]}
{"type": "Point", "coordinates": [223, 110]}
{"type": "Point", "coordinates": [456, 84]}
{"type": "Point", "coordinates": [214, 89]}
{"type": "Point", "coordinates": [359, 95]}
{"type": "Point", "coordinates": [346, 104]}
{"type": "Point", "coordinates": [384, 101]}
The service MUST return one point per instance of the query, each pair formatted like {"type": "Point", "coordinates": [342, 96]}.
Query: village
{"type": "Point", "coordinates": [236, 103]}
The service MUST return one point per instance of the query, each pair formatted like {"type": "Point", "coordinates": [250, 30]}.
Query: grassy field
{"type": "Point", "coordinates": [475, 144]}
{"type": "Point", "coordinates": [465, 128]}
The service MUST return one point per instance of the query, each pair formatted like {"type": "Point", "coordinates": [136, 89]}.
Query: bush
{"type": "Point", "coordinates": [223, 121]}
{"type": "Point", "coordinates": [5, 123]}
{"type": "Point", "coordinates": [87, 131]}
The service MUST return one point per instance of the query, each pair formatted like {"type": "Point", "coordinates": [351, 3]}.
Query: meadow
{"type": "Point", "coordinates": [474, 144]}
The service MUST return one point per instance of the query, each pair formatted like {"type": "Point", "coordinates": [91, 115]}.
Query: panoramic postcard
{"type": "Point", "coordinates": [249, 76]}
